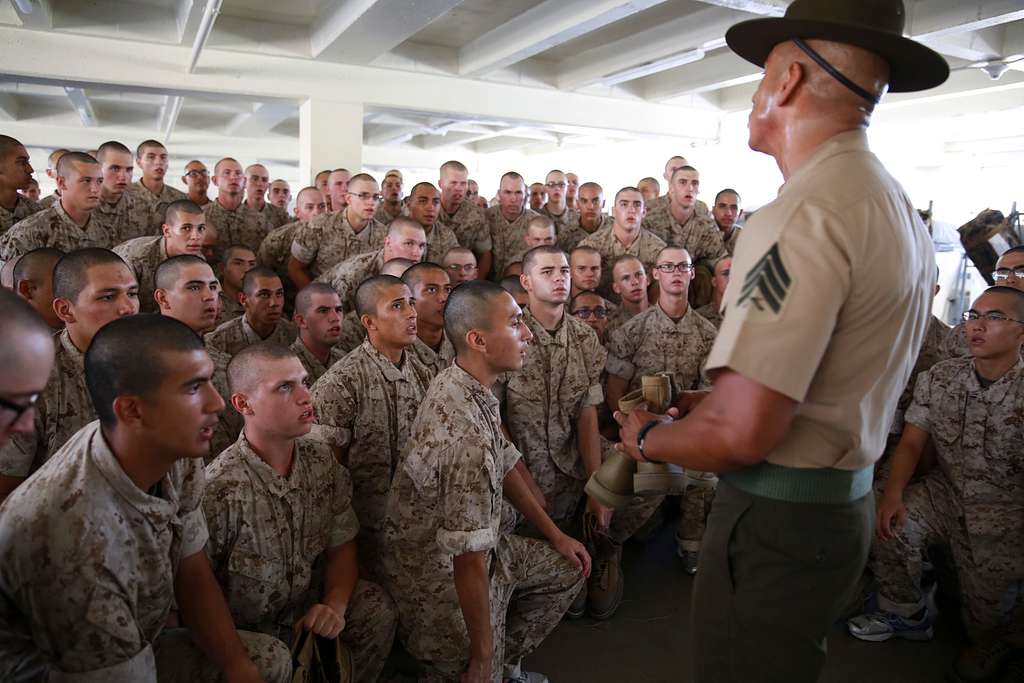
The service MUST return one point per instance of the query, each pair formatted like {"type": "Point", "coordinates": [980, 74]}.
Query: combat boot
{"type": "Point", "coordinates": [606, 582]}
{"type": "Point", "coordinates": [656, 478]}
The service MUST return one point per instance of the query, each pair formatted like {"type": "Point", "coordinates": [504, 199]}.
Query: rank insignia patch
{"type": "Point", "coordinates": [766, 285]}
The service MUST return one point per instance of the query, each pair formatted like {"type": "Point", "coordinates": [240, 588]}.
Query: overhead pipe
{"type": "Point", "coordinates": [205, 29]}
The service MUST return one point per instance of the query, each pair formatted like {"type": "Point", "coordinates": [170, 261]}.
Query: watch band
{"type": "Point", "coordinates": [641, 437]}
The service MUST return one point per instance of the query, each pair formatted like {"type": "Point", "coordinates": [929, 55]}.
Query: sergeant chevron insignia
{"type": "Point", "coordinates": [767, 283]}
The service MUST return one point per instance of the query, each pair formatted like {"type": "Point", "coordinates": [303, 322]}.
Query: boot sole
{"type": "Point", "coordinates": [882, 637]}
{"type": "Point", "coordinates": [607, 613]}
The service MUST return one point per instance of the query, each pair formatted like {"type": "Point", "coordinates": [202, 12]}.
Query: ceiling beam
{"type": "Point", "coordinates": [360, 31]}
{"type": "Point", "coordinates": [210, 12]}
{"type": "Point", "coordinates": [934, 19]}
{"type": "Point", "coordinates": [187, 16]}
{"type": "Point", "coordinates": [712, 73]}
{"type": "Point", "coordinates": [169, 112]}
{"type": "Point", "coordinates": [393, 135]}
{"type": "Point", "coordinates": [8, 107]}
{"type": "Point", "coordinates": [263, 118]}
{"type": "Point", "coordinates": [39, 19]}
{"type": "Point", "coordinates": [973, 46]}
{"type": "Point", "coordinates": [539, 28]}
{"type": "Point", "coordinates": [686, 33]}
{"type": "Point", "coordinates": [768, 8]}
{"type": "Point", "coordinates": [82, 106]}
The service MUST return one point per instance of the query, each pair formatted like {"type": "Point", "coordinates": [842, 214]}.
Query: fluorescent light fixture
{"type": "Point", "coordinates": [654, 67]}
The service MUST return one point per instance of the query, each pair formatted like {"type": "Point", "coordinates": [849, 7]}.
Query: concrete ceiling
{"type": "Point", "coordinates": [480, 76]}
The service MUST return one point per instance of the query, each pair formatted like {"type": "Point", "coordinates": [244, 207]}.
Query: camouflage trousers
{"type": "Point", "coordinates": [180, 659]}
{"type": "Point", "coordinates": [531, 587]}
{"type": "Point", "coordinates": [988, 569]}
{"type": "Point", "coordinates": [695, 506]}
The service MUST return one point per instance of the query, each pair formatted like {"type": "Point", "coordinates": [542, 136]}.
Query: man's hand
{"type": "Point", "coordinates": [602, 515]}
{"type": "Point", "coordinates": [892, 515]}
{"type": "Point", "coordinates": [630, 426]}
{"type": "Point", "coordinates": [572, 550]}
{"type": "Point", "coordinates": [478, 671]}
{"type": "Point", "coordinates": [323, 621]}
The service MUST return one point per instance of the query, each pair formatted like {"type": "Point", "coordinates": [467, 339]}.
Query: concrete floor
{"type": "Point", "coordinates": [646, 640]}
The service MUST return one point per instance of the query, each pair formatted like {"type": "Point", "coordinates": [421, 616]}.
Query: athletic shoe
{"type": "Point", "coordinates": [880, 626]}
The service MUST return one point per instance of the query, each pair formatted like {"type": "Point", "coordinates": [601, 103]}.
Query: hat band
{"type": "Point", "coordinates": [834, 72]}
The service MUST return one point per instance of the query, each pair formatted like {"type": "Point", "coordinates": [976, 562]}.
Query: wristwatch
{"type": "Point", "coordinates": [641, 437]}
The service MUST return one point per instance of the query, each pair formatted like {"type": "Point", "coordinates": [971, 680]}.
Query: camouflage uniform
{"type": "Point", "coordinates": [365, 406]}
{"type": "Point", "coordinates": [62, 409]}
{"type": "Point", "coordinates": [973, 501]}
{"type": "Point", "coordinates": [87, 569]}
{"type": "Point", "coordinates": [446, 500]}
{"type": "Point", "coordinates": [273, 215]}
{"type": "Point", "coordinates": [932, 351]}
{"type": "Point", "coordinates": [508, 238]}
{"type": "Point", "coordinates": [383, 217]}
{"type": "Point", "coordinates": [271, 572]}
{"type": "Point", "coordinates": [51, 228]}
{"type": "Point", "coordinates": [568, 217]}
{"type": "Point", "coordinates": [237, 334]}
{"type": "Point", "coordinates": [711, 313]}
{"type": "Point", "coordinates": [143, 255]}
{"type": "Point", "coordinates": [327, 240]}
{"type": "Point", "coordinates": [661, 203]}
{"type": "Point", "coordinates": [440, 238]}
{"type": "Point", "coordinates": [23, 208]}
{"type": "Point", "coordinates": [229, 422]}
{"type": "Point", "coordinates": [48, 201]}
{"type": "Point", "coordinates": [435, 361]}
{"type": "Point", "coordinates": [276, 247]}
{"type": "Point", "coordinates": [645, 247]}
{"type": "Point", "coordinates": [651, 343]}
{"type": "Point", "coordinates": [561, 376]}
{"type": "Point", "coordinates": [699, 235]}
{"type": "Point", "coordinates": [229, 308]}
{"type": "Point", "coordinates": [350, 273]}
{"type": "Point", "coordinates": [616, 319]}
{"type": "Point", "coordinates": [470, 225]}
{"type": "Point", "coordinates": [239, 226]}
{"type": "Point", "coordinates": [313, 366]}
{"type": "Point", "coordinates": [955, 344]}
{"type": "Point", "coordinates": [125, 219]}
{"type": "Point", "coordinates": [154, 204]}
{"type": "Point", "coordinates": [571, 234]}
{"type": "Point", "coordinates": [352, 332]}
{"type": "Point", "coordinates": [730, 242]}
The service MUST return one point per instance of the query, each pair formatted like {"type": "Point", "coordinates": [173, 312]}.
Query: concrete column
{"type": "Point", "coordinates": [330, 136]}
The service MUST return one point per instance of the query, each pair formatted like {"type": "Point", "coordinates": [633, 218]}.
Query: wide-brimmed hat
{"type": "Point", "coordinates": [875, 25]}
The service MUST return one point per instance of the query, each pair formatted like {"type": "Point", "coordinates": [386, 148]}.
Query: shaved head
{"type": "Point", "coordinates": [371, 292]}
{"type": "Point", "coordinates": [244, 370]}
{"type": "Point", "coordinates": [470, 307]}
{"type": "Point", "coordinates": [169, 270]}
{"type": "Point", "coordinates": [304, 299]}
{"type": "Point", "coordinates": [71, 274]}
{"type": "Point", "coordinates": [18, 322]}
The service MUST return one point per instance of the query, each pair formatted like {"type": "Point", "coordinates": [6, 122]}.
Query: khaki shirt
{"type": "Point", "coordinates": [440, 238]}
{"type": "Point", "coordinates": [276, 248]}
{"type": "Point", "coordinates": [438, 360]}
{"type": "Point", "coordinates": [561, 376]}
{"type": "Point", "coordinates": [51, 228]}
{"type": "Point", "coordinates": [155, 204]}
{"type": "Point", "coordinates": [446, 498]}
{"type": "Point", "coordinates": [470, 225]}
{"type": "Point", "coordinates": [645, 247]}
{"type": "Point", "coordinates": [571, 234]}
{"type": "Point", "coordinates": [699, 235]}
{"type": "Point", "coordinates": [314, 368]}
{"type": "Point", "coordinates": [828, 303]}
{"type": "Point", "coordinates": [350, 273]}
{"type": "Point", "coordinates": [267, 530]}
{"type": "Point", "coordinates": [977, 433]}
{"type": "Point", "coordinates": [932, 351]}
{"type": "Point", "coordinates": [23, 208]}
{"type": "Point", "coordinates": [711, 313]}
{"type": "Point", "coordinates": [508, 238]}
{"type": "Point", "coordinates": [327, 240]}
{"type": "Point", "coordinates": [125, 219]}
{"type": "Point", "coordinates": [239, 226]}
{"type": "Point", "coordinates": [652, 342]}
{"type": "Point", "coordinates": [365, 405]}
{"type": "Point", "coordinates": [88, 560]}
{"type": "Point", "coordinates": [237, 334]}
{"type": "Point", "coordinates": [143, 255]}
{"type": "Point", "coordinates": [62, 409]}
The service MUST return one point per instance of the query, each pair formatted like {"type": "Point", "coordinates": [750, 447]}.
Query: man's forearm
{"type": "Point", "coordinates": [340, 577]}
{"type": "Point", "coordinates": [205, 612]}
{"type": "Point", "coordinates": [588, 440]}
{"type": "Point", "coordinates": [472, 585]}
{"type": "Point", "coordinates": [299, 272]}
{"type": "Point", "coordinates": [905, 458]}
{"type": "Point", "coordinates": [517, 492]}
{"type": "Point", "coordinates": [615, 389]}
{"type": "Point", "coordinates": [483, 270]}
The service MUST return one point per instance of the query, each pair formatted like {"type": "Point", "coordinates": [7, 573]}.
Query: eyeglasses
{"type": "Point", "coordinates": [599, 313]}
{"type": "Point", "coordinates": [1004, 273]}
{"type": "Point", "coordinates": [684, 267]}
{"type": "Point", "coordinates": [555, 185]}
{"type": "Point", "coordinates": [17, 409]}
{"type": "Point", "coordinates": [464, 267]}
{"type": "Point", "coordinates": [365, 196]}
{"type": "Point", "coordinates": [991, 316]}
{"type": "Point", "coordinates": [198, 174]}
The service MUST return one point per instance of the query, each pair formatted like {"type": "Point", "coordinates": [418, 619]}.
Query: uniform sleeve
{"type": "Point", "coordinates": [194, 533]}
{"type": "Point", "coordinates": [336, 410]}
{"type": "Point", "coordinates": [784, 301]}
{"type": "Point", "coordinates": [221, 532]}
{"type": "Point", "coordinates": [482, 234]}
{"type": "Point", "coordinates": [919, 412]}
{"type": "Point", "coordinates": [305, 243]}
{"type": "Point", "coordinates": [468, 480]}
{"type": "Point", "coordinates": [18, 454]}
{"type": "Point", "coordinates": [596, 358]}
{"type": "Point", "coordinates": [344, 525]}
{"type": "Point", "coordinates": [621, 348]}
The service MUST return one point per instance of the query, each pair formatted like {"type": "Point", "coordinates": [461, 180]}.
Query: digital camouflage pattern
{"type": "Point", "coordinates": [51, 228]}
{"type": "Point", "coordinates": [237, 334]}
{"type": "Point", "coordinates": [569, 235]}
{"type": "Point", "coordinates": [440, 239]}
{"type": "Point", "coordinates": [346, 276]}
{"type": "Point", "coordinates": [470, 225]}
{"type": "Point", "coordinates": [327, 240]}
{"type": "Point", "coordinates": [126, 219]}
{"type": "Point", "coordinates": [276, 248]}
{"type": "Point", "coordinates": [229, 308]}
{"type": "Point", "coordinates": [507, 237]}
{"type": "Point", "coordinates": [645, 247]}
{"type": "Point", "coordinates": [710, 312]}
{"type": "Point", "coordinates": [699, 235]}
{"type": "Point", "coordinates": [933, 350]}
{"type": "Point", "coordinates": [23, 208]}
{"type": "Point", "coordinates": [154, 204]}
{"type": "Point", "coordinates": [239, 226]}
{"type": "Point", "coordinates": [143, 255]}
{"type": "Point", "coordinates": [314, 368]}
{"type": "Point", "coordinates": [435, 361]}
{"type": "Point", "coordinates": [274, 216]}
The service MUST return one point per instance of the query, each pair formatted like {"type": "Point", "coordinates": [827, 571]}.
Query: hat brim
{"type": "Point", "coordinates": [912, 66]}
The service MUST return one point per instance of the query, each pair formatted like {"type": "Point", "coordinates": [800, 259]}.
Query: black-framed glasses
{"type": "Point", "coordinates": [368, 195]}
{"type": "Point", "coordinates": [598, 312]}
{"type": "Point", "coordinates": [684, 267]}
{"type": "Point", "coordinates": [991, 316]}
{"type": "Point", "coordinates": [1001, 274]}
{"type": "Point", "coordinates": [462, 267]}
{"type": "Point", "coordinates": [196, 173]}
{"type": "Point", "coordinates": [18, 409]}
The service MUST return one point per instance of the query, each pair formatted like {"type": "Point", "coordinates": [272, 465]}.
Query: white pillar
{"type": "Point", "coordinates": [330, 136]}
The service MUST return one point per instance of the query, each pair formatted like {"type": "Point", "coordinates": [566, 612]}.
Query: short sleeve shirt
{"type": "Point", "coordinates": [350, 273]}
{"type": "Point", "coordinates": [469, 223]}
{"type": "Point", "coordinates": [88, 560]}
{"type": "Point", "coordinates": [143, 255]}
{"type": "Point", "coordinates": [828, 303]}
{"type": "Point", "coordinates": [327, 240]}
{"type": "Point", "coordinates": [267, 530]}
{"type": "Point", "coordinates": [237, 334]}
{"type": "Point", "coordinates": [51, 227]}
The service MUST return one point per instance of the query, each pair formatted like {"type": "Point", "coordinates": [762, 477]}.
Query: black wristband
{"type": "Point", "coordinates": [641, 437]}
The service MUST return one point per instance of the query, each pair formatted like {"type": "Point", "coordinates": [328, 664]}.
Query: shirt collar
{"type": "Point", "coordinates": [274, 482]}
{"type": "Point", "coordinates": [996, 391]}
{"type": "Point", "coordinates": [541, 335]}
{"type": "Point", "coordinates": [391, 372]}
{"type": "Point", "coordinates": [69, 349]}
{"type": "Point", "coordinates": [474, 389]}
{"type": "Point", "coordinates": [847, 141]}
